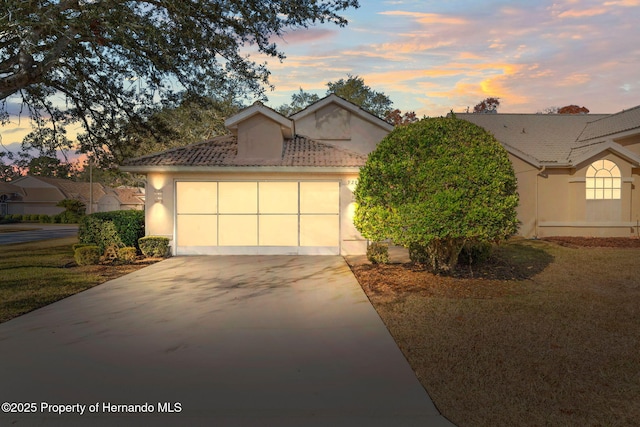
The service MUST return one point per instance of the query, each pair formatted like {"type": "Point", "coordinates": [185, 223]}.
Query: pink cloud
{"type": "Point", "coordinates": [307, 35]}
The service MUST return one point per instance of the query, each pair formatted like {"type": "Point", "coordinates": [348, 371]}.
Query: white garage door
{"type": "Point", "coordinates": [258, 217]}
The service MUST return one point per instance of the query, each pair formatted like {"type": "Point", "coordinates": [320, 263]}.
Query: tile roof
{"type": "Point", "coordinates": [128, 196]}
{"type": "Point", "coordinates": [609, 125]}
{"type": "Point", "coordinates": [75, 190]}
{"type": "Point", "coordinates": [7, 188]}
{"type": "Point", "coordinates": [35, 194]}
{"type": "Point", "coordinates": [223, 151]}
{"type": "Point", "coordinates": [547, 138]}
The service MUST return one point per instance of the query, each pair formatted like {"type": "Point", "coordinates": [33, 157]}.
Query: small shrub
{"type": "Point", "coordinates": [66, 217]}
{"type": "Point", "coordinates": [87, 255]}
{"type": "Point", "coordinates": [7, 219]}
{"type": "Point", "coordinates": [81, 245]}
{"type": "Point", "coordinates": [378, 253]}
{"type": "Point", "coordinates": [154, 246]}
{"type": "Point", "coordinates": [475, 253]}
{"type": "Point", "coordinates": [16, 217]}
{"type": "Point", "coordinates": [127, 255]}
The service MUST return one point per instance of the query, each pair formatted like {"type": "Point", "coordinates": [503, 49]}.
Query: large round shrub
{"type": "Point", "coordinates": [437, 184]}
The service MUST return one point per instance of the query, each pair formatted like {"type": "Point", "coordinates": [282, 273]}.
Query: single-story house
{"type": "Point", "coordinates": [284, 185]}
{"type": "Point", "coordinates": [40, 195]}
{"type": "Point", "coordinates": [275, 185]}
{"type": "Point", "coordinates": [576, 172]}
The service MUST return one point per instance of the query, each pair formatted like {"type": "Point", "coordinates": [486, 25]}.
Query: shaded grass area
{"type": "Point", "coordinates": [557, 343]}
{"type": "Point", "coordinates": [36, 274]}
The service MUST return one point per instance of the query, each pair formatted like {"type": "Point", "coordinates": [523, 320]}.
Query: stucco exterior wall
{"type": "Point", "coordinates": [337, 126]}
{"type": "Point", "coordinates": [108, 203]}
{"type": "Point", "coordinates": [526, 174]}
{"type": "Point", "coordinates": [160, 216]}
{"type": "Point", "coordinates": [259, 138]}
{"type": "Point", "coordinates": [631, 143]}
{"type": "Point", "coordinates": [565, 211]}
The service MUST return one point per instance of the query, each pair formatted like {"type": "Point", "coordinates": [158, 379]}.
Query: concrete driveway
{"type": "Point", "coordinates": [215, 341]}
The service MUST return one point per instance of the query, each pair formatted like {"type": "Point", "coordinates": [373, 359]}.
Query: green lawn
{"type": "Point", "coordinates": [36, 274]}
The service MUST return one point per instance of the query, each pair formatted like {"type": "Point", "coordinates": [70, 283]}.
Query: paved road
{"type": "Point", "coordinates": [228, 341]}
{"type": "Point", "coordinates": [45, 232]}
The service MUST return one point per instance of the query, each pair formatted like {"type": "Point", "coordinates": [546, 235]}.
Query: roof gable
{"type": "Point", "coordinates": [624, 121]}
{"type": "Point", "coordinates": [583, 153]}
{"type": "Point", "coordinates": [286, 125]}
{"type": "Point", "coordinates": [342, 103]}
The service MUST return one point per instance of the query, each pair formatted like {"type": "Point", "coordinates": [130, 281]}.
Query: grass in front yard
{"type": "Point", "coordinates": [545, 335]}
{"type": "Point", "coordinates": [36, 274]}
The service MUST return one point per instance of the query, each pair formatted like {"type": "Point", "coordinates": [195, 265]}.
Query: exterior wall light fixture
{"type": "Point", "coordinates": [157, 196]}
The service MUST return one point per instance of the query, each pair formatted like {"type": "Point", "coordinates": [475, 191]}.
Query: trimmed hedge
{"type": "Point", "coordinates": [154, 246]}
{"type": "Point", "coordinates": [87, 255]}
{"type": "Point", "coordinates": [115, 228]}
{"type": "Point", "coordinates": [127, 255]}
{"type": "Point", "coordinates": [61, 218]}
{"type": "Point", "coordinates": [80, 245]}
{"type": "Point", "coordinates": [378, 253]}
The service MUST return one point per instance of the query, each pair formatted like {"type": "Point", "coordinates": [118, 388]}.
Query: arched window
{"type": "Point", "coordinates": [603, 181]}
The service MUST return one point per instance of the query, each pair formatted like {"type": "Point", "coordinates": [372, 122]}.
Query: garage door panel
{"type": "Point", "coordinates": [197, 230]}
{"type": "Point", "coordinates": [238, 230]}
{"type": "Point", "coordinates": [319, 230]}
{"type": "Point", "coordinates": [238, 197]}
{"type": "Point", "coordinates": [319, 197]}
{"type": "Point", "coordinates": [196, 197]}
{"type": "Point", "coordinates": [270, 217]}
{"type": "Point", "coordinates": [278, 198]}
{"type": "Point", "coordinates": [278, 230]}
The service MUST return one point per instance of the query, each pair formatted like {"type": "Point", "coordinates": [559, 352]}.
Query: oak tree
{"type": "Point", "coordinates": [95, 62]}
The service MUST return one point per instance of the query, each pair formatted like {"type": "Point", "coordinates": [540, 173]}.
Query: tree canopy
{"type": "Point", "coordinates": [354, 90]}
{"type": "Point", "coordinates": [487, 106]}
{"type": "Point", "coordinates": [95, 62]}
{"type": "Point", "coordinates": [299, 101]}
{"type": "Point", "coordinates": [437, 184]}
{"type": "Point", "coordinates": [573, 109]}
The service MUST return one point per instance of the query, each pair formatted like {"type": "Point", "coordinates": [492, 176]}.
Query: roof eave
{"type": "Point", "coordinates": [242, 169]}
{"type": "Point", "coordinates": [614, 147]}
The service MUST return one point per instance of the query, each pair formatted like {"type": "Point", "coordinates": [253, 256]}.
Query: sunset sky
{"type": "Point", "coordinates": [435, 56]}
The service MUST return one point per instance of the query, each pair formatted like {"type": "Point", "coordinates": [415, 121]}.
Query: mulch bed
{"type": "Point", "coordinates": [595, 242]}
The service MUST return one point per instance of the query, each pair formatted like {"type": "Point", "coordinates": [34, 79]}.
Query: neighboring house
{"type": "Point", "coordinates": [276, 185]}
{"type": "Point", "coordinates": [576, 173]}
{"type": "Point", "coordinates": [40, 195]}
